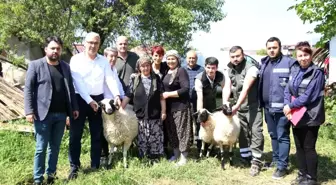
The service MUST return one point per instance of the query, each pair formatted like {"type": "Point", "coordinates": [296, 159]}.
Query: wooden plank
{"type": "Point", "coordinates": [17, 127]}
{"type": "Point", "coordinates": [12, 102]}
{"type": "Point", "coordinates": [5, 113]}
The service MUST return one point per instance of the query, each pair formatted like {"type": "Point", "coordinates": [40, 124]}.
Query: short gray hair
{"type": "Point", "coordinates": [109, 49]}
{"type": "Point", "coordinates": [91, 34]}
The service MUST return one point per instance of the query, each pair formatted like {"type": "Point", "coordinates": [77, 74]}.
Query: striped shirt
{"type": "Point", "coordinates": [192, 72]}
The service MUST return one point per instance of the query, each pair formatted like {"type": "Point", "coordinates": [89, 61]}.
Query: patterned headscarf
{"type": "Point", "coordinates": [174, 72]}
{"type": "Point", "coordinates": [142, 60]}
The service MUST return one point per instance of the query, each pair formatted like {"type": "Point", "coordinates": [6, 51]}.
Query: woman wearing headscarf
{"type": "Point", "coordinates": [179, 121]}
{"type": "Point", "coordinates": [305, 89]}
{"type": "Point", "coordinates": [146, 90]}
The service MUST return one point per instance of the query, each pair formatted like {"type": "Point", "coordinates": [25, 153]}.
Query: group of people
{"type": "Point", "coordinates": [164, 95]}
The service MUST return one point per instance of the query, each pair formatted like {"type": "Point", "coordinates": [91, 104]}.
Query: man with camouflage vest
{"type": "Point", "coordinates": [243, 73]}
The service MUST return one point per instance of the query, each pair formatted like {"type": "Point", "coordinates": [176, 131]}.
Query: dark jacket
{"type": "Point", "coordinates": [308, 89]}
{"type": "Point", "coordinates": [181, 85]}
{"type": "Point", "coordinates": [278, 82]}
{"type": "Point", "coordinates": [146, 107]}
{"type": "Point", "coordinates": [237, 76]}
{"type": "Point", "coordinates": [210, 93]}
{"type": "Point", "coordinates": [38, 89]}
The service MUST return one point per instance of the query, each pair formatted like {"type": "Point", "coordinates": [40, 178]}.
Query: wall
{"type": "Point", "coordinates": [332, 60]}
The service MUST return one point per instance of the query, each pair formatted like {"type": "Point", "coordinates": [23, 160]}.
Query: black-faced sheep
{"type": "Point", "coordinates": [120, 127]}
{"type": "Point", "coordinates": [207, 127]}
{"type": "Point", "coordinates": [226, 128]}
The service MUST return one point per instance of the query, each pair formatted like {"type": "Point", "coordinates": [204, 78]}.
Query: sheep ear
{"type": "Point", "coordinates": [195, 113]}
{"type": "Point", "coordinates": [104, 101]}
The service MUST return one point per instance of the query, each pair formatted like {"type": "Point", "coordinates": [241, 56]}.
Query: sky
{"type": "Point", "coordinates": [249, 23]}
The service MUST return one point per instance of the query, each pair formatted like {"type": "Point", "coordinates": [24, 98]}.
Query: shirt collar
{"type": "Point", "coordinates": [195, 68]}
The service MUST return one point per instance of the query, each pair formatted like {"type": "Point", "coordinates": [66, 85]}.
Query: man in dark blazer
{"type": "Point", "coordinates": [49, 97]}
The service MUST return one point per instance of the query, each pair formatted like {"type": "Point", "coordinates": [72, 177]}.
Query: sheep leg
{"type": "Point", "coordinates": [125, 148]}
{"type": "Point", "coordinates": [202, 149]}
{"type": "Point", "coordinates": [209, 150]}
{"type": "Point", "coordinates": [222, 156]}
{"type": "Point", "coordinates": [230, 155]}
{"type": "Point", "coordinates": [110, 156]}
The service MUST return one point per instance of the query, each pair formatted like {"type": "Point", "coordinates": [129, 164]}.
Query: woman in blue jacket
{"type": "Point", "coordinates": [305, 89]}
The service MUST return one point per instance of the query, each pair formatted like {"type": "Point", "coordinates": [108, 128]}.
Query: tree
{"type": "Point", "coordinates": [323, 12]}
{"type": "Point", "coordinates": [262, 52]}
{"type": "Point", "coordinates": [146, 22]}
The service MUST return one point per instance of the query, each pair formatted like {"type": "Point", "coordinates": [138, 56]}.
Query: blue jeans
{"type": "Point", "coordinates": [48, 133]}
{"type": "Point", "coordinates": [279, 130]}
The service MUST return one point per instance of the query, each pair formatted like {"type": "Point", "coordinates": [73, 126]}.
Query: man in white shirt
{"type": "Point", "coordinates": [90, 71]}
{"type": "Point", "coordinates": [244, 76]}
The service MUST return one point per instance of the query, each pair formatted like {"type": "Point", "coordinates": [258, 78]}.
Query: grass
{"type": "Point", "coordinates": [17, 153]}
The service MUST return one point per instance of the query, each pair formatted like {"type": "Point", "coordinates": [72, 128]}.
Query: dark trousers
{"type": "Point", "coordinates": [278, 129]}
{"type": "Point", "coordinates": [104, 145]}
{"type": "Point", "coordinates": [76, 132]}
{"type": "Point", "coordinates": [305, 142]}
{"type": "Point", "coordinates": [251, 138]}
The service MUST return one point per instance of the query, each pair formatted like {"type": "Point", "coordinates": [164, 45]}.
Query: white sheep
{"type": "Point", "coordinates": [120, 127]}
{"type": "Point", "coordinates": [207, 127]}
{"type": "Point", "coordinates": [226, 128]}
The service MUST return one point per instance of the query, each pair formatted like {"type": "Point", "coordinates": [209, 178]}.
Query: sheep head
{"type": "Point", "coordinates": [227, 110]}
{"type": "Point", "coordinates": [108, 106]}
{"type": "Point", "coordinates": [202, 116]}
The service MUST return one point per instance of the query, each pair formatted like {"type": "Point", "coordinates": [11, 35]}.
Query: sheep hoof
{"type": "Point", "coordinates": [223, 164]}
{"type": "Point", "coordinates": [231, 163]}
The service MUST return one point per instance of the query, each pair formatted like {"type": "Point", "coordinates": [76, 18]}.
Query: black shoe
{"type": "Point", "coordinates": [246, 161]}
{"type": "Point", "coordinates": [269, 165]}
{"type": "Point", "coordinates": [255, 168]}
{"type": "Point", "coordinates": [73, 175]}
{"type": "Point", "coordinates": [50, 180]}
{"type": "Point", "coordinates": [300, 178]}
{"type": "Point", "coordinates": [279, 174]}
{"type": "Point", "coordinates": [308, 181]}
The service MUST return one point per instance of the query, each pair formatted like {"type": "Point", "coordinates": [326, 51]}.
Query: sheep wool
{"type": "Point", "coordinates": [120, 128]}
{"type": "Point", "coordinates": [227, 129]}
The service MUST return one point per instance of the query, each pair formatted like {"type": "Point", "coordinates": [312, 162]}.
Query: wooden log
{"type": "Point", "coordinates": [17, 127]}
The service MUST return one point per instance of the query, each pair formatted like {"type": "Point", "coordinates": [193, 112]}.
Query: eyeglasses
{"type": "Point", "coordinates": [92, 43]}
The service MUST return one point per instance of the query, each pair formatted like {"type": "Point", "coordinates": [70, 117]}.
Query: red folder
{"type": "Point", "coordinates": [297, 113]}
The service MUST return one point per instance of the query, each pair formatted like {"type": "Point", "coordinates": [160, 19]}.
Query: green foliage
{"type": "Point", "coordinates": [169, 22]}
{"type": "Point", "coordinates": [15, 59]}
{"type": "Point", "coordinates": [262, 52]}
{"type": "Point", "coordinates": [330, 107]}
{"type": "Point", "coordinates": [322, 12]}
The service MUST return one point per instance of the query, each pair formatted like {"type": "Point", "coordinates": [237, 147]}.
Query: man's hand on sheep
{"type": "Point", "coordinates": [117, 101]}
{"type": "Point", "coordinates": [94, 105]}
{"type": "Point", "coordinates": [235, 109]}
